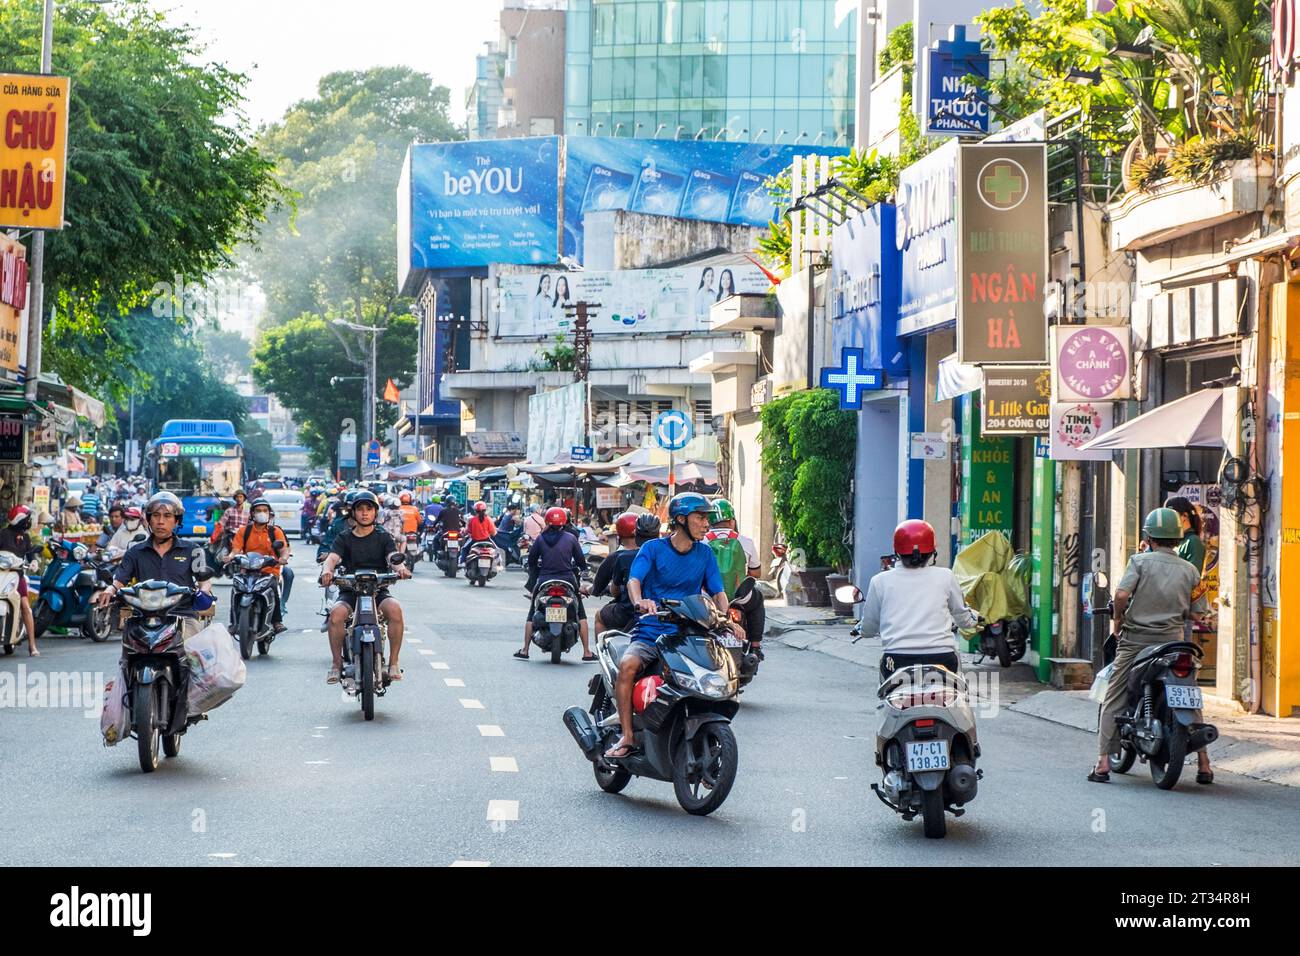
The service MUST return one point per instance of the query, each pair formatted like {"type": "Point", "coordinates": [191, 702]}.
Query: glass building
{"type": "Point", "coordinates": [738, 70]}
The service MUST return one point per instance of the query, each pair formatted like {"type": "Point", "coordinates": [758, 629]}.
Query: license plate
{"type": "Point", "coordinates": [925, 755]}
{"type": "Point", "coordinates": [730, 640]}
{"type": "Point", "coordinates": [1182, 697]}
{"type": "Point", "coordinates": [557, 615]}
{"type": "Point", "coordinates": [485, 563]}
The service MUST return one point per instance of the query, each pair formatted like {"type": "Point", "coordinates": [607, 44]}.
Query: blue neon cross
{"type": "Point", "coordinates": [851, 378]}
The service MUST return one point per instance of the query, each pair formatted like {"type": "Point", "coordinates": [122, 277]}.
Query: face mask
{"type": "Point", "coordinates": [132, 525]}
{"type": "Point", "coordinates": [261, 518]}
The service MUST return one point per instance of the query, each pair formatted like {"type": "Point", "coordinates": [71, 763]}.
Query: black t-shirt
{"type": "Point", "coordinates": [450, 518]}
{"type": "Point", "coordinates": [18, 542]}
{"type": "Point", "coordinates": [614, 572]}
{"type": "Point", "coordinates": [365, 553]}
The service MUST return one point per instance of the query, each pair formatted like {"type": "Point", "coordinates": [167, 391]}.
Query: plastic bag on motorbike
{"type": "Point", "coordinates": [985, 573]}
{"type": "Point", "coordinates": [1100, 683]}
{"type": "Point", "coordinates": [216, 669]}
{"type": "Point", "coordinates": [114, 721]}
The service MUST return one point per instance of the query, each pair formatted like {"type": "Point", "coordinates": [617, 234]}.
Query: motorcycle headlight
{"type": "Point", "coordinates": [715, 685]}
{"type": "Point", "coordinates": [79, 553]}
{"type": "Point", "coordinates": [153, 599]}
{"type": "Point", "coordinates": [702, 681]}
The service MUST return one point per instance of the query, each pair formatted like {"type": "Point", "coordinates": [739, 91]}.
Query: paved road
{"type": "Point", "coordinates": [287, 772]}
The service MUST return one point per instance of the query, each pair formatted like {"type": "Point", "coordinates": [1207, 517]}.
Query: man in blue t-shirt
{"type": "Point", "coordinates": [670, 568]}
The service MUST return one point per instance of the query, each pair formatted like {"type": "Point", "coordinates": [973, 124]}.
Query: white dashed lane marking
{"type": "Point", "coordinates": [440, 666]}
{"type": "Point", "coordinates": [426, 652]}
{"type": "Point", "coordinates": [470, 703]}
{"type": "Point", "coordinates": [490, 730]}
{"type": "Point", "coordinates": [414, 640]}
{"type": "Point", "coordinates": [453, 682]}
{"type": "Point", "coordinates": [504, 765]}
{"type": "Point", "coordinates": [503, 811]}
{"type": "Point", "coordinates": [471, 863]}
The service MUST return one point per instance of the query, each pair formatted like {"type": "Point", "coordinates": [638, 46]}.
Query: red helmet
{"type": "Point", "coordinates": [914, 537]}
{"type": "Point", "coordinates": [480, 507]}
{"type": "Point", "coordinates": [405, 497]}
{"type": "Point", "coordinates": [625, 526]}
{"type": "Point", "coordinates": [135, 513]}
{"type": "Point", "coordinates": [646, 692]}
{"type": "Point", "coordinates": [18, 511]}
{"type": "Point", "coordinates": [557, 517]}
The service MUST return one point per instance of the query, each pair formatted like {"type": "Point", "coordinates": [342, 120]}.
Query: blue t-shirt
{"type": "Point", "coordinates": [666, 573]}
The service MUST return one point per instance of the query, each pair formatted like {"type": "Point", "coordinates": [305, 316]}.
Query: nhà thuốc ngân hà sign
{"type": "Point", "coordinates": [33, 150]}
{"type": "Point", "coordinates": [1016, 400]}
{"type": "Point", "coordinates": [1002, 253]}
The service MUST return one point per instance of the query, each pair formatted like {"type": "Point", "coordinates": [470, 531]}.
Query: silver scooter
{"type": "Point", "coordinates": [926, 745]}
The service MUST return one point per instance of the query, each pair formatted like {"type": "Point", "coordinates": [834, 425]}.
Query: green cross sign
{"type": "Point", "coordinates": [1003, 184]}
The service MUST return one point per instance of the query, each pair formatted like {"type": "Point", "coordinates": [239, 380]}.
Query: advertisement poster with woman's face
{"type": "Point", "coordinates": [631, 301]}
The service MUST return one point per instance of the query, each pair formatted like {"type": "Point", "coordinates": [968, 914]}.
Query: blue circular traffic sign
{"type": "Point", "coordinates": [673, 430]}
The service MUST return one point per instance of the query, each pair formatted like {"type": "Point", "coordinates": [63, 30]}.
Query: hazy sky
{"type": "Point", "coordinates": [287, 45]}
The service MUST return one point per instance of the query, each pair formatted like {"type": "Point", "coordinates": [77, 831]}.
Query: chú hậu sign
{"type": "Point", "coordinates": [33, 150]}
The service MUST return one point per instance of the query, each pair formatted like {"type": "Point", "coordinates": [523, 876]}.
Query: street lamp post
{"type": "Point", "coordinates": [374, 331]}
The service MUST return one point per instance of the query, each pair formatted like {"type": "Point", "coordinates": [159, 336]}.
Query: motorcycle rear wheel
{"type": "Point", "coordinates": [264, 647]}
{"type": "Point", "coordinates": [1004, 651]}
{"type": "Point", "coordinates": [611, 779]}
{"type": "Point", "coordinates": [146, 733]}
{"type": "Point", "coordinates": [1165, 775]}
{"type": "Point", "coordinates": [713, 782]}
{"type": "Point", "coordinates": [557, 648]}
{"type": "Point", "coordinates": [1122, 760]}
{"type": "Point", "coordinates": [171, 745]}
{"type": "Point", "coordinates": [932, 815]}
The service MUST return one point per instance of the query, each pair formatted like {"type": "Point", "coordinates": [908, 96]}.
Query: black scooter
{"type": "Point", "coordinates": [555, 618]}
{"type": "Point", "coordinates": [252, 601]}
{"type": "Point", "coordinates": [365, 667]}
{"type": "Point", "coordinates": [682, 711]}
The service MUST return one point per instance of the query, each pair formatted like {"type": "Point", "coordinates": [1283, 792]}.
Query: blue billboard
{"type": "Point", "coordinates": [481, 201]}
{"type": "Point", "coordinates": [714, 182]}
{"type": "Point", "coordinates": [926, 235]}
{"type": "Point", "coordinates": [954, 106]}
{"type": "Point", "coordinates": [866, 281]}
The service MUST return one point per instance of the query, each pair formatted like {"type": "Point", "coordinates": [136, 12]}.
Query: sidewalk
{"type": "Point", "coordinates": [1264, 748]}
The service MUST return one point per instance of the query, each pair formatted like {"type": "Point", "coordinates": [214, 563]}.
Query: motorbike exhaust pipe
{"type": "Point", "coordinates": [962, 783]}
{"type": "Point", "coordinates": [1201, 735]}
{"type": "Point", "coordinates": [584, 732]}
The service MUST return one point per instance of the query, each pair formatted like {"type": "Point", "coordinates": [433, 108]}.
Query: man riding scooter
{"type": "Point", "coordinates": [619, 614]}
{"type": "Point", "coordinates": [260, 536]}
{"type": "Point", "coordinates": [556, 556]}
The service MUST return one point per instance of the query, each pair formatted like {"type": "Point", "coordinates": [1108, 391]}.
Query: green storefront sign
{"type": "Point", "coordinates": [1041, 553]}
{"type": "Point", "coordinates": [988, 478]}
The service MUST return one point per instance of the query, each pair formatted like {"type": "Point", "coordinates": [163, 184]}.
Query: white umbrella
{"type": "Point", "coordinates": [1193, 421]}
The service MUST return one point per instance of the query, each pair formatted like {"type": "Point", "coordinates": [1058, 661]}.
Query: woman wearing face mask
{"type": "Point", "coordinates": [132, 531]}
{"type": "Point", "coordinates": [260, 536]}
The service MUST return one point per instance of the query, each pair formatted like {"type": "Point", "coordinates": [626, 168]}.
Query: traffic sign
{"type": "Point", "coordinates": [372, 452]}
{"type": "Point", "coordinates": [852, 378]}
{"type": "Point", "coordinates": [581, 452]}
{"type": "Point", "coordinates": [673, 430]}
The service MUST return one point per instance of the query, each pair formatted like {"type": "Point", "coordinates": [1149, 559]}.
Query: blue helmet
{"type": "Point", "coordinates": [688, 502]}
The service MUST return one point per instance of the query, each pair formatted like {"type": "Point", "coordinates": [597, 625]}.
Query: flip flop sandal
{"type": "Point", "coordinates": [1096, 777]}
{"type": "Point", "coordinates": [519, 656]}
{"type": "Point", "coordinates": [628, 751]}
{"type": "Point", "coordinates": [589, 658]}
{"type": "Point", "coordinates": [1205, 777]}
{"type": "Point", "coordinates": [333, 676]}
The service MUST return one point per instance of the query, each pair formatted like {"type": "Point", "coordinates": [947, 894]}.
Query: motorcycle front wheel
{"type": "Point", "coordinates": [703, 791]}
{"type": "Point", "coordinates": [146, 731]}
{"type": "Point", "coordinates": [1165, 774]}
{"type": "Point", "coordinates": [44, 618]}
{"type": "Point", "coordinates": [100, 624]}
{"type": "Point", "coordinates": [366, 674]}
{"type": "Point", "coordinates": [245, 631]}
{"type": "Point", "coordinates": [1122, 760]}
{"type": "Point", "coordinates": [932, 814]}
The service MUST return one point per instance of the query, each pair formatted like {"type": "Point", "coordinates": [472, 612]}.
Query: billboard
{"type": "Point", "coordinates": [926, 235]}
{"type": "Point", "coordinates": [33, 150]}
{"type": "Point", "coordinates": [1016, 400]}
{"type": "Point", "coordinates": [481, 201]}
{"type": "Point", "coordinates": [13, 308]}
{"type": "Point", "coordinates": [714, 182]}
{"type": "Point", "coordinates": [955, 107]}
{"type": "Point", "coordinates": [631, 301]}
{"type": "Point", "coordinates": [866, 277]}
{"type": "Point", "coordinates": [1002, 253]}
{"type": "Point", "coordinates": [557, 420]}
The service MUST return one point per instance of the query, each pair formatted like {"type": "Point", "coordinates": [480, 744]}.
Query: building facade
{"type": "Point", "coordinates": [775, 71]}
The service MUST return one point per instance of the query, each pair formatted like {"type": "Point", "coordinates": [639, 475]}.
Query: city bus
{"type": "Point", "coordinates": [199, 461]}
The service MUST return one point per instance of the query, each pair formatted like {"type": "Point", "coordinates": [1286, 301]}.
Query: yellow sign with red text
{"type": "Point", "coordinates": [33, 150]}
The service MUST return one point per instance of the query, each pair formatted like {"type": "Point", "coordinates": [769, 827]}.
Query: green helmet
{"type": "Point", "coordinates": [1163, 523]}
{"type": "Point", "coordinates": [722, 511]}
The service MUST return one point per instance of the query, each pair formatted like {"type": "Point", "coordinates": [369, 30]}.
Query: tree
{"type": "Point", "coordinates": [162, 178]}
{"type": "Point", "coordinates": [229, 353]}
{"type": "Point", "coordinates": [260, 455]}
{"type": "Point", "coordinates": [297, 360]}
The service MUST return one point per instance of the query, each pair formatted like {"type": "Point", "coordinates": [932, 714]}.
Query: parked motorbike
{"type": "Point", "coordinates": [1007, 640]}
{"type": "Point", "coordinates": [1157, 723]}
{"type": "Point", "coordinates": [252, 601]}
{"type": "Point", "coordinates": [926, 745]}
{"type": "Point", "coordinates": [682, 711]}
{"type": "Point", "coordinates": [448, 554]}
{"type": "Point", "coordinates": [741, 651]}
{"type": "Point", "coordinates": [67, 592]}
{"type": "Point", "coordinates": [12, 568]}
{"type": "Point", "coordinates": [154, 664]}
{"type": "Point", "coordinates": [365, 667]}
{"type": "Point", "coordinates": [779, 570]}
{"type": "Point", "coordinates": [481, 563]}
{"type": "Point", "coordinates": [555, 618]}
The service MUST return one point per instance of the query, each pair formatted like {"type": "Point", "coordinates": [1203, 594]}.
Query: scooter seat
{"type": "Point", "coordinates": [1159, 650]}
{"type": "Point", "coordinates": [617, 642]}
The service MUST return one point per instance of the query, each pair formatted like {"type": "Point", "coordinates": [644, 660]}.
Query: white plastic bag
{"type": "Point", "coordinates": [216, 669]}
{"type": "Point", "coordinates": [1100, 682]}
{"type": "Point", "coordinates": [113, 719]}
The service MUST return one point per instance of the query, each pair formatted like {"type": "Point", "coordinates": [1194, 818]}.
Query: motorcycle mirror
{"type": "Point", "coordinates": [396, 558]}
{"type": "Point", "coordinates": [848, 594]}
{"type": "Point", "coordinates": [278, 546]}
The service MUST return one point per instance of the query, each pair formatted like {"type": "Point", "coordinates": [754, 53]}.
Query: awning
{"type": "Point", "coordinates": [422, 469]}
{"type": "Point", "coordinates": [87, 407]}
{"type": "Point", "coordinates": [1193, 421]}
{"type": "Point", "coordinates": [1250, 249]}
{"type": "Point", "coordinates": [955, 379]}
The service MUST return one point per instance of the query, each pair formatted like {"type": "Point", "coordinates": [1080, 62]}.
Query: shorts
{"type": "Point", "coordinates": [350, 598]}
{"type": "Point", "coordinates": [644, 651]}
{"type": "Point", "coordinates": [617, 616]}
{"type": "Point", "coordinates": [22, 584]}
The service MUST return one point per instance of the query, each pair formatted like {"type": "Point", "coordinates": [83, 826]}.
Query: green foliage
{"type": "Point", "coordinates": [162, 177]}
{"type": "Point", "coordinates": [1147, 171]}
{"type": "Point", "coordinates": [259, 449]}
{"type": "Point", "coordinates": [1201, 160]}
{"type": "Point", "coordinates": [227, 352]}
{"type": "Point", "coordinates": [808, 447]}
{"type": "Point", "coordinates": [341, 153]}
{"type": "Point", "coordinates": [897, 49]}
{"type": "Point", "coordinates": [560, 357]}
{"type": "Point", "coordinates": [297, 359]}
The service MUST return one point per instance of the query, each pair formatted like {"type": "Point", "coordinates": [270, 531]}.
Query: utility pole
{"type": "Point", "coordinates": [582, 313]}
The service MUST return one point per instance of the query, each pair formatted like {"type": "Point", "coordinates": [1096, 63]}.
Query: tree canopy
{"type": "Point", "coordinates": [163, 178]}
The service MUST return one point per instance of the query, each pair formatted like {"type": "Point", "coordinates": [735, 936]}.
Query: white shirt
{"type": "Point", "coordinates": [913, 610]}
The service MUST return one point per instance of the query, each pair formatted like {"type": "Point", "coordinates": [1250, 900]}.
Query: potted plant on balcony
{"type": "Point", "coordinates": [808, 447]}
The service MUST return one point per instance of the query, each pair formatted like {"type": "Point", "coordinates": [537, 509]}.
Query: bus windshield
{"type": "Point", "coordinates": [199, 476]}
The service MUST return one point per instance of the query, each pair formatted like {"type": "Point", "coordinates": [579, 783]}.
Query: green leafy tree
{"type": "Point", "coordinates": [259, 449]}
{"type": "Point", "coordinates": [228, 353]}
{"type": "Point", "coordinates": [808, 448]}
{"type": "Point", "coordinates": [162, 176]}
{"type": "Point", "coordinates": [297, 360]}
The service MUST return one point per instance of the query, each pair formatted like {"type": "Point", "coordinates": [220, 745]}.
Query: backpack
{"type": "Point", "coordinates": [243, 544]}
{"type": "Point", "coordinates": [732, 561]}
